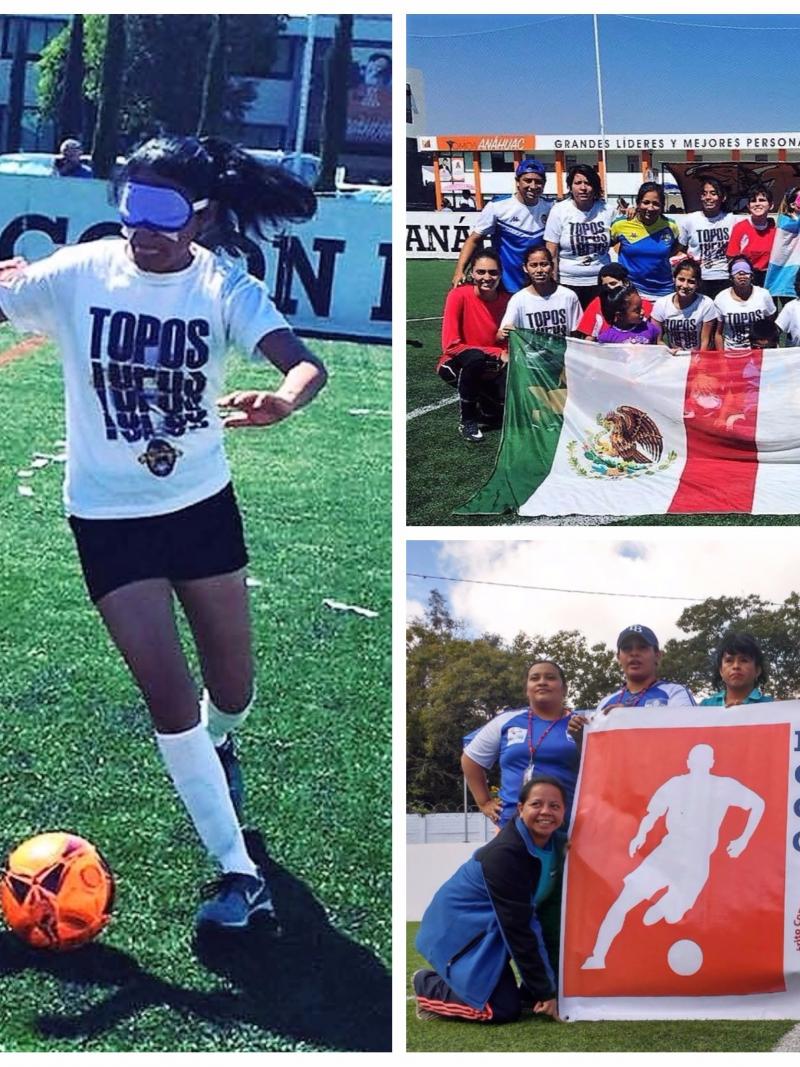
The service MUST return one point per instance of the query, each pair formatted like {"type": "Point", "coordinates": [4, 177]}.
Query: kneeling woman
{"type": "Point", "coordinates": [473, 361]}
{"type": "Point", "coordinates": [485, 916]}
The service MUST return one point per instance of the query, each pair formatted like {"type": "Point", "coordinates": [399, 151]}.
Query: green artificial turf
{"type": "Point", "coordinates": [443, 470]}
{"type": "Point", "coordinates": [545, 1035]}
{"type": "Point", "coordinates": [77, 753]}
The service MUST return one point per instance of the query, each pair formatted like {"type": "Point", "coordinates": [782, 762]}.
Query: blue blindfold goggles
{"type": "Point", "coordinates": [156, 207]}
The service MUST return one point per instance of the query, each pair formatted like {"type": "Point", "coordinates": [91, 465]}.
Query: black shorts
{"type": "Point", "coordinates": [201, 541]}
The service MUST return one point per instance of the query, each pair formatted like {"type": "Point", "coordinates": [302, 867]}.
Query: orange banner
{"type": "Point", "coordinates": [679, 866]}
{"type": "Point", "coordinates": [480, 142]}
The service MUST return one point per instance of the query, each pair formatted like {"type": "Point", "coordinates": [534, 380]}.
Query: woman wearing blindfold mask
{"type": "Point", "coordinates": [143, 325]}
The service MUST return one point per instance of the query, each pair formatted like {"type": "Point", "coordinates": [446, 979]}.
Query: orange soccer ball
{"type": "Point", "coordinates": [56, 891]}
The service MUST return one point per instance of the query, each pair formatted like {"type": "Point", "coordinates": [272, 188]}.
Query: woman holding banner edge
{"type": "Point", "coordinates": [486, 915]}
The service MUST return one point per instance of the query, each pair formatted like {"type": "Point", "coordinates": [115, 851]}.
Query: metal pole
{"type": "Point", "coordinates": [600, 96]}
{"type": "Point", "coordinates": [452, 178]}
{"type": "Point", "coordinates": [305, 90]}
{"type": "Point", "coordinates": [466, 820]}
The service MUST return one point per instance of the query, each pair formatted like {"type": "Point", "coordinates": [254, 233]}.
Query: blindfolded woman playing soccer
{"type": "Point", "coordinates": [143, 324]}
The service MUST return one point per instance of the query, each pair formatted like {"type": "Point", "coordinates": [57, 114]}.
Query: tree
{"type": "Point", "coordinates": [213, 99]}
{"type": "Point", "coordinates": [16, 86]}
{"type": "Point", "coordinates": [776, 628]}
{"type": "Point", "coordinates": [456, 684]}
{"type": "Point", "coordinates": [334, 107]}
{"type": "Point", "coordinates": [165, 68]}
{"type": "Point", "coordinates": [52, 68]}
{"type": "Point", "coordinates": [104, 148]}
{"type": "Point", "coordinates": [71, 99]}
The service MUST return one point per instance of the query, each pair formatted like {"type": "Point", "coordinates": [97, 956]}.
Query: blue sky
{"type": "Point", "coordinates": [536, 74]}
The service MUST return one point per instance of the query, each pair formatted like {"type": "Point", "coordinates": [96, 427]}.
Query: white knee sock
{"type": "Point", "coordinates": [219, 723]}
{"type": "Point", "coordinates": [200, 782]}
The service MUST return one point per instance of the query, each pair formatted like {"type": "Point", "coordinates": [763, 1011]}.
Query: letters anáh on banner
{"type": "Point", "coordinates": [605, 429]}
{"type": "Point", "coordinates": [682, 888]}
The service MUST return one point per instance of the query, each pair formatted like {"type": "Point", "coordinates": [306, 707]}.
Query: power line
{"type": "Point", "coordinates": [481, 33]}
{"type": "Point", "coordinates": [554, 589]}
{"type": "Point", "coordinates": [703, 25]}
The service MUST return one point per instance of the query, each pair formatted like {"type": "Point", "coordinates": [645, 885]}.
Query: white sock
{"type": "Point", "coordinates": [199, 779]}
{"type": "Point", "coordinates": [220, 723]}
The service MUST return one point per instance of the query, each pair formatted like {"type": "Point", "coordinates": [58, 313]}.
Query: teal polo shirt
{"type": "Point", "coordinates": [718, 699]}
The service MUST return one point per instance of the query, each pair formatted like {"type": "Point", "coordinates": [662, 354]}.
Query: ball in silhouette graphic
{"type": "Point", "coordinates": [685, 957]}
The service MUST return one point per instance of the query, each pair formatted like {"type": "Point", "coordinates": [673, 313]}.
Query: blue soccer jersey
{"type": "Point", "coordinates": [515, 739]}
{"type": "Point", "coordinates": [656, 695]}
{"type": "Point", "coordinates": [644, 251]}
{"type": "Point", "coordinates": [513, 227]}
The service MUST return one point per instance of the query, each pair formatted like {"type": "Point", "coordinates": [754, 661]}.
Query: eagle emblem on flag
{"type": "Point", "coordinates": [628, 444]}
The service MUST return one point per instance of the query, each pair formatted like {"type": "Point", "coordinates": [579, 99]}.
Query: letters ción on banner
{"type": "Point", "coordinates": [331, 277]}
{"type": "Point", "coordinates": [682, 889]}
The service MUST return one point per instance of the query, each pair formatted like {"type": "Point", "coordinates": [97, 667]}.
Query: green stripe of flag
{"type": "Point", "coordinates": [534, 414]}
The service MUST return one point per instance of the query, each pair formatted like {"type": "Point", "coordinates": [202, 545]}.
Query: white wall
{"type": "Point", "coordinates": [427, 867]}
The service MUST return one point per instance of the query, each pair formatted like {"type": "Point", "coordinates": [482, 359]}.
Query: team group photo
{"type": "Point", "coordinates": [532, 247]}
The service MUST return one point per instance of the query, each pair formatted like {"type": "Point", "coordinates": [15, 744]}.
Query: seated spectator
{"type": "Point", "coordinates": [68, 164]}
{"type": "Point", "coordinates": [638, 655]}
{"type": "Point", "coordinates": [473, 360]}
{"type": "Point", "coordinates": [591, 322]}
{"type": "Point", "coordinates": [622, 308]}
{"type": "Point", "coordinates": [740, 670]}
{"type": "Point", "coordinates": [544, 305]}
{"type": "Point", "coordinates": [487, 914]}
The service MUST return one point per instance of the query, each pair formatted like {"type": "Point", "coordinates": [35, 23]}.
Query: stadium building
{"type": "Point", "coordinates": [273, 116]}
{"type": "Point", "coordinates": [482, 165]}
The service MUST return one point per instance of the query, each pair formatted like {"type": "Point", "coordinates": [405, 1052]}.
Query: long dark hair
{"type": "Point", "coordinates": [249, 194]}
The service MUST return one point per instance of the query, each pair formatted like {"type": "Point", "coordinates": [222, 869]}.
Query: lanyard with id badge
{"type": "Point", "coordinates": [530, 770]}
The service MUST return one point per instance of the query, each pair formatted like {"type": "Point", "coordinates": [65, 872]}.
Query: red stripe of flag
{"type": "Point", "coordinates": [720, 413]}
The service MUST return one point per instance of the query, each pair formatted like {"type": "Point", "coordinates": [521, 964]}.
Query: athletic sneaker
{"type": "Point", "coordinates": [469, 431]}
{"type": "Point", "coordinates": [234, 899]}
{"type": "Point", "coordinates": [421, 1013]}
{"type": "Point", "coordinates": [233, 774]}
{"type": "Point", "coordinates": [424, 1015]}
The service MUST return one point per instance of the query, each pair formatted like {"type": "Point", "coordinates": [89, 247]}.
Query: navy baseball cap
{"type": "Point", "coordinates": [643, 632]}
{"type": "Point", "coordinates": [526, 166]}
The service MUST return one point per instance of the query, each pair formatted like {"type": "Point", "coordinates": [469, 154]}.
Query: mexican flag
{"type": "Point", "coordinates": [593, 429]}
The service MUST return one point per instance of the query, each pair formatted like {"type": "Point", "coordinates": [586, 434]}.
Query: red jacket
{"type": "Point", "coordinates": [470, 322]}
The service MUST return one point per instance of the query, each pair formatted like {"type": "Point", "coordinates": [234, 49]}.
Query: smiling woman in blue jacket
{"type": "Point", "coordinates": [484, 917]}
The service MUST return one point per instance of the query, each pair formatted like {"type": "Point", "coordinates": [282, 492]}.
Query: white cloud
{"type": "Point", "coordinates": [415, 609]}
{"type": "Point", "coordinates": [687, 562]}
